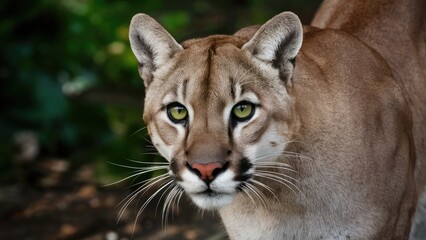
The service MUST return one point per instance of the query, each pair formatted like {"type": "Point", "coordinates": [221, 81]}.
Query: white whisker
{"type": "Point", "coordinates": [148, 141]}
{"type": "Point", "coordinates": [286, 153]}
{"type": "Point", "coordinates": [148, 163]}
{"type": "Point", "coordinates": [149, 200]}
{"type": "Point", "coordinates": [171, 187]}
{"type": "Point", "coordinates": [276, 167]}
{"type": "Point", "coordinates": [281, 180]}
{"type": "Point", "coordinates": [278, 173]}
{"type": "Point", "coordinates": [143, 171]}
{"type": "Point", "coordinates": [133, 195]}
{"type": "Point", "coordinates": [176, 201]}
{"type": "Point", "coordinates": [179, 198]}
{"type": "Point", "coordinates": [247, 192]}
{"type": "Point", "coordinates": [258, 194]}
{"type": "Point", "coordinates": [167, 205]}
{"type": "Point", "coordinates": [269, 189]}
{"type": "Point", "coordinates": [144, 183]}
{"type": "Point", "coordinates": [277, 164]}
{"type": "Point", "coordinates": [135, 167]}
{"type": "Point", "coordinates": [147, 180]}
{"type": "Point", "coordinates": [151, 153]}
{"type": "Point", "coordinates": [140, 129]}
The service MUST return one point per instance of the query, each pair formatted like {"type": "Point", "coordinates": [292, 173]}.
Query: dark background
{"type": "Point", "coordinates": [71, 105]}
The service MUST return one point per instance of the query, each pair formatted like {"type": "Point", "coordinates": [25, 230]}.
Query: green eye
{"type": "Point", "coordinates": [243, 111]}
{"type": "Point", "coordinates": [177, 112]}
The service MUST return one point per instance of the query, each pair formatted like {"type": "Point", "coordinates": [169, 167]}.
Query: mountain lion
{"type": "Point", "coordinates": [294, 132]}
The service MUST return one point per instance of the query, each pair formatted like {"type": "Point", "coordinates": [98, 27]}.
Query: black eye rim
{"type": "Point", "coordinates": [176, 104]}
{"type": "Point", "coordinates": [238, 119]}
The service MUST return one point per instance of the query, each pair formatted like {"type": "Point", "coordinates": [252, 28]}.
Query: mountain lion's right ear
{"type": "Point", "coordinates": [152, 45]}
{"type": "Point", "coordinates": [277, 42]}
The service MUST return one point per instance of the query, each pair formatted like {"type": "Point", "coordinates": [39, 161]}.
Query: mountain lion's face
{"type": "Point", "coordinates": [215, 111]}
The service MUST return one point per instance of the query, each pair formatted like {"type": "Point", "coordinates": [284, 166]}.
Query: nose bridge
{"type": "Point", "coordinates": [207, 140]}
{"type": "Point", "coordinates": [206, 148]}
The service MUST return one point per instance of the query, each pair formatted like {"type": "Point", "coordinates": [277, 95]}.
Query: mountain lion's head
{"type": "Point", "coordinates": [219, 108]}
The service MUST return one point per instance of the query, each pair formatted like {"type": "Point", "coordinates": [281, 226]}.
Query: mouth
{"type": "Point", "coordinates": [209, 192]}
{"type": "Point", "coordinates": [211, 200]}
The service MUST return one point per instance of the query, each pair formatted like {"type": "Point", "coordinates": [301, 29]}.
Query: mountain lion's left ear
{"type": "Point", "coordinates": [278, 41]}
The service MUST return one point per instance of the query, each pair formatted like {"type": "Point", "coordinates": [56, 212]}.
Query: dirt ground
{"type": "Point", "coordinates": [60, 207]}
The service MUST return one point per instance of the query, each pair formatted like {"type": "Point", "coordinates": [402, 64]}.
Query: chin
{"type": "Point", "coordinates": [212, 201]}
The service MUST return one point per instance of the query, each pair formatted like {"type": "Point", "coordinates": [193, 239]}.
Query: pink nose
{"type": "Point", "coordinates": [207, 170]}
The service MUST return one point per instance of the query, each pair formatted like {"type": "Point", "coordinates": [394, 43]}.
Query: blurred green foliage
{"type": "Point", "coordinates": [68, 75]}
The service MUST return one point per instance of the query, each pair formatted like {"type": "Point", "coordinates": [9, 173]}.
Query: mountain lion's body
{"type": "Point", "coordinates": [397, 31]}
{"type": "Point", "coordinates": [289, 141]}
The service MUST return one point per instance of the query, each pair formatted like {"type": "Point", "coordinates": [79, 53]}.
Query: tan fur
{"type": "Point", "coordinates": [340, 116]}
{"type": "Point", "coordinates": [397, 31]}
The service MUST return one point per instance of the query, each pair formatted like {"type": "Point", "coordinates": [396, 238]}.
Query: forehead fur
{"type": "Point", "coordinates": [193, 70]}
{"type": "Point", "coordinates": [206, 73]}
{"type": "Point", "coordinates": [215, 41]}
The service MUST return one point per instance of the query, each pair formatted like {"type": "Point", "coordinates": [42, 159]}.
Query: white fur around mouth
{"type": "Point", "coordinates": [221, 193]}
{"type": "Point", "coordinates": [212, 200]}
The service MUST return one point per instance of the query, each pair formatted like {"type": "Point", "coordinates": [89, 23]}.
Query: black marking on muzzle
{"type": "Point", "coordinates": [242, 178]}
{"type": "Point", "coordinates": [244, 165]}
